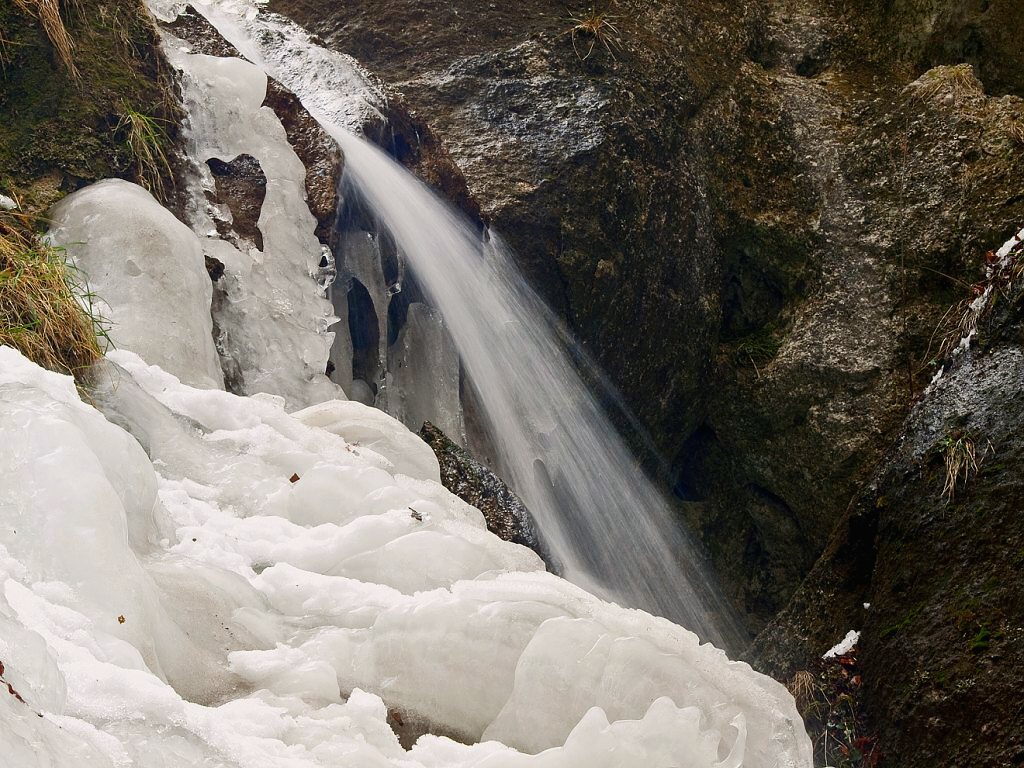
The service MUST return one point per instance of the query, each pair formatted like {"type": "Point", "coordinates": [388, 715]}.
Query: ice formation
{"type": "Point", "coordinates": [416, 376]}
{"type": "Point", "coordinates": [362, 265]}
{"type": "Point", "coordinates": [146, 271]}
{"type": "Point", "coordinates": [274, 323]}
{"type": "Point", "coordinates": [424, 375]}
{"type": "Point", "coordinates": [230, 585]}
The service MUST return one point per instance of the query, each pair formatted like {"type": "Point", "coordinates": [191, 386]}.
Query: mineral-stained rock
{"type": "Point", "coordinates": [475, 484]}
{"type": "Point", "coordinates": [318, 152]}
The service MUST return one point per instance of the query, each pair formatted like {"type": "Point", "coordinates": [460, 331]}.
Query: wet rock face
{"type": "Point", "coordinates": [940, 650]}
{"type": "Point", "coordinates": [416, 145]}
{"type": "Point", "coordinates": [477, 485]}
{"type": "Point", "coordinates": [836, 282]}
{"type": "Point", "coordinates": [319, 154]}
{"type": "Point", "coordinates": [745, 215]}
{"type": "Point", "coordinates": [581, 165]}
{"type": "Point", "coordinates": [241, 186]}
{"type": "Point", "coordinates": [929, 33]}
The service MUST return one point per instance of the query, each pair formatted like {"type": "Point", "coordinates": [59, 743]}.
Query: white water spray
{"type": "Point", "coordinates": [605, 523]}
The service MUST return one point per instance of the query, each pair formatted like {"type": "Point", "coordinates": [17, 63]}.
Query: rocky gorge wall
{"type": "Point", "coordinates": [756, 216]}
{"type": "Point", "coordinates": [927, 565]}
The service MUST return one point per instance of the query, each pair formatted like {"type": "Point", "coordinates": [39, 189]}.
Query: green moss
{"type": "Point", "coordinates": [50, 123]}
{"type": "Point", "coordinates": [979, 643]}
{"type": "Point", "coordinates": [894, 629]}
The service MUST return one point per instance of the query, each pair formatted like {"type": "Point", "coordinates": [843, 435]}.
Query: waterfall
{"type": "Point", "coordinates": [604, 521]}
{"type": "Point", "coordinates": [609, 528]}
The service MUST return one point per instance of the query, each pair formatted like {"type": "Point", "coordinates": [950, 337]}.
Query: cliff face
{"type": "Point", "coordinates": [754, 215]}
{"type": "Point", "coordinates": [928, 565]}
{"type": "Point", "coordinates": [582, 165]}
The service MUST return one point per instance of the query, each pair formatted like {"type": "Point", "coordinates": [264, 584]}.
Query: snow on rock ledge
{"type": "Point", "coordinates": [148, 272]}
{"type": "Point", "coordinates": [306, 576]}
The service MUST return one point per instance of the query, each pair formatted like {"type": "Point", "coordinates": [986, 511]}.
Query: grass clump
{"type": "Point", "coordinates": [960, 456]}
{"type": "Point", "coordinates": [758, 349]}
{"type": "Point", "coordinates": [49, 15]}
{"type": "Point", "coordinates": [1016, 130]}
{"type": "Point", "coordinates": [980, 642]}
{"type": "Point", "coordinates": [45, 309]}
{"type": "Point", "coordinates": [594, 28]}
{"type": "Point", "coordinates": [957, 83]}
{"type": "Point", "coordinates": [958, 325]}
{"type": "Point", "coordinates": [147, 142]}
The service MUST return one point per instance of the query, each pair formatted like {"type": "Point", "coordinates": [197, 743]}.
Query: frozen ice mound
{"type": "Point", "coordinates": [201, 579]}
{"type": "Point", "coordinates": [147, 271]}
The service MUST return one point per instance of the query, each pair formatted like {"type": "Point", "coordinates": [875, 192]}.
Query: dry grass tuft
{"type": "Point", "coordinates": [959, 321]}
{"type": "Point", "coordinates": [595, 27]}
{"type": "Point", "coordinates": [48, 13]}
{"type": "Point", "coordinates": [960, 456]}
{"type": "Point", "coordinates": [955, 83]}
{"type": "Point", "coordinates": [1016, 130]}
{"type": "Point", "coordinates": [802, 686]}
{"type": "Point", "coordinates": [41, 301]}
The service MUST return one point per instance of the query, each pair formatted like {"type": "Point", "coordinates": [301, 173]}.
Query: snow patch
{"type": "Point", "coordinates": [844, 646]}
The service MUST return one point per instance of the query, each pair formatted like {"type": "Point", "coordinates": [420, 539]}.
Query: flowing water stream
{"type": "Point", "coordinates": [607, 526]}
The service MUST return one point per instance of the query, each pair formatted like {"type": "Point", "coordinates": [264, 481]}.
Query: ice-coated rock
{"type": "Point", "coordinates": [147, 272]}
{"type": "Point", "coordinates": [282, 588]}
{"type": "Point", "coordinates": [274, 323]}
{"type": "Point", "coordinates": [362, 425]}
{"type": "Point", "coordinates": [362, 264]}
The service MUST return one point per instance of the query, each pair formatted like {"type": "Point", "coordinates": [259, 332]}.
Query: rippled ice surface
{"type": "Point", "coordinates": [191, 578]}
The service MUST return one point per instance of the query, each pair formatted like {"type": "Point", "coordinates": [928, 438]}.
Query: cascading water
{"type": "Point", "coordinates": [605, 523]}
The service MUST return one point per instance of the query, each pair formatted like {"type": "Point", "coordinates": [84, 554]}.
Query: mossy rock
{"type": "Point", "coordinates": [63, 128]}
